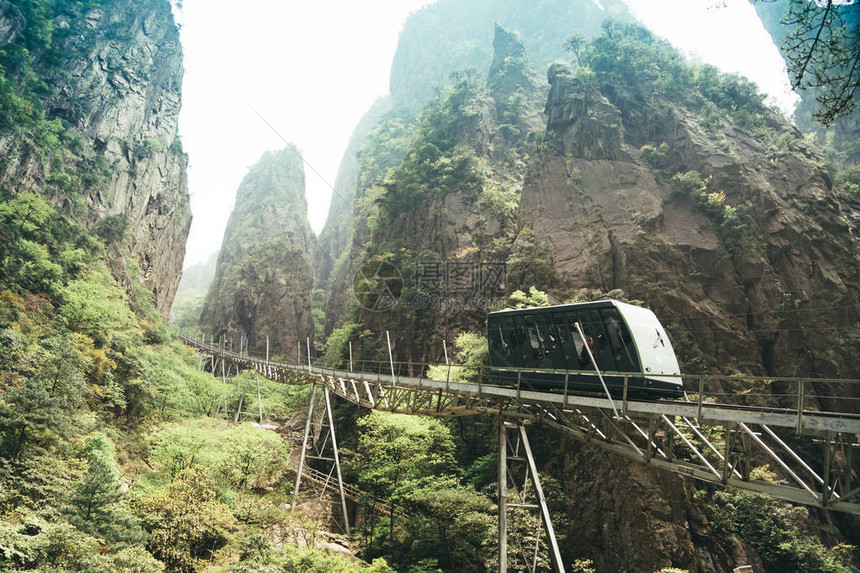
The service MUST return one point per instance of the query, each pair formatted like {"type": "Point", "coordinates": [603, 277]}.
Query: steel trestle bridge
{"type": "Point", "coordinates": [725, 428]}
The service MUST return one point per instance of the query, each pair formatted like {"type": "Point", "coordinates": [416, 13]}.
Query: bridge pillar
{"type": "Point", "coordinates": [318, 450]}
{"type": "Point", "coordinates": [516, 448]}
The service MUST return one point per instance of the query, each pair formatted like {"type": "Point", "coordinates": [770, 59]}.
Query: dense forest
{"type": "Point", "coordinates": [621, 166]}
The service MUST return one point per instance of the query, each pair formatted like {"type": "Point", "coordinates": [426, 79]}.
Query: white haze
{"type": "Point", "coordinates": [312, 69]}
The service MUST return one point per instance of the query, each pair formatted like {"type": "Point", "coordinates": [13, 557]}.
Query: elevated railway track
{"type": "Point", "coordinates": [713, 435]}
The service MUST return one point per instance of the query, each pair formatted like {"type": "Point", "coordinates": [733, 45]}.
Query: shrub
{"type": "Point", "coordinates": [252, 456]}
{"type": "Point", "coordinates": [186, 522]}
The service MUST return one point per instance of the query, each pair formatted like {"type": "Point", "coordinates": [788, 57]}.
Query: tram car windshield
{"type": "Point", "coordinates": [620, 340]}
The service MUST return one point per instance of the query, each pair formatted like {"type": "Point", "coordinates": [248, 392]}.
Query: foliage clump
{"type": "Point", "coordinates": [775, 529]}
{"type": "Point", "coordinates": [847, 183]}
{"type": "Point", "coordinates": [185, 521]}
{"type": "Point", "coordinates": [409, 461]}
{"type": "Point", "coordinates": [434, 163]}
{"type": "Point", "coordinates": [534, 298]}
{"type": "Point", "coordinates": [472, 354]}
{"type": "Point", "coordinates": [713, 203]}
{"type": "Point", "coordinates": [638, 68]}
{"type": "Point", "coordinates": [95, 505]}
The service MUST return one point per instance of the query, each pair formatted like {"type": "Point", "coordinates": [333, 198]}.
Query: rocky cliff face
{"type": "Point", "coordinates": [718, 233]}
{"type": "Point", "coordinates": [440, 39]}
{"type": "Point", "coordinates": [445, 216]}
{"type": "Point", "coordinates": [673, 183]}
{"type": "Point", "coordinates": [105, 79]}
{"type": "Point", "coordinates": [738, 243]}
{"type": "Point", "coordinates": [264, 279]}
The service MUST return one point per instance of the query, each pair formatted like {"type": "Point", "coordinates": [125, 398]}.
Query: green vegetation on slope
{"type": "Point", "coordinates": [409, 461]}
{"type": "Point", "coordinates": [84, 363]}
{"type": "Point", "coordinates": [114, 454]}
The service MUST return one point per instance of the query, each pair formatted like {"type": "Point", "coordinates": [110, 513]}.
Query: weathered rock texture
{"type": "Point", "coordinates": [458, 215]}
{"type": "Point", "coordinates": [445, 37]}
{"type": "Point", "coordinates": [264, 279]}
{"type": "Point", "coordinates": [754, 292]}
{"type": "Point", "coordinates": [768, 287]}
{"type": "Point", "coordinates": [116, 98]}
{"type": "Point", "coordinates": [677, 196]}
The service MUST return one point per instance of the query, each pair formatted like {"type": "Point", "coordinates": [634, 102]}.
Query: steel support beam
{"type": "Point", "coordinates": [522, 452]}
{"type": "Point", "coordinates": [337, 461]}
{"type": "Point", "coordinates": [304, 446]}
{"type": "Point", "coordinates": [645, 431]}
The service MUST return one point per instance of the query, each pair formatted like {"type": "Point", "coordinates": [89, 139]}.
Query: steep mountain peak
{"type": "Point", "coordinates": [264, 278]}
{"type": "Point", "coordinates": [91, 123]}
{"type": "Point", "coordinates": [507, 46]}
{"type": "Point", "coordinates": [511, 73]}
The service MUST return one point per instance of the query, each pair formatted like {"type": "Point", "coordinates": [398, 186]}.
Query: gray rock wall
{"type": "Point", "coordinates": [614, 218]}
{"type": "Point", "coordinates": [264, 279]}
{"type": "Point", "coordinates": [118, 98]}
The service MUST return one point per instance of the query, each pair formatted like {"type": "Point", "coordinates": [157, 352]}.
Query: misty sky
{"type": "Point", "coordinates": [312, 69]}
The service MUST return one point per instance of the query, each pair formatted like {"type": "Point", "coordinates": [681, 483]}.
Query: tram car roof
{"type": "Point", "coordinates": [599, 303]}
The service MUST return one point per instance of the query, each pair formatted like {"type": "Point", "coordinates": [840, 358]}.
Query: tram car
{"type": "Point", "coordinates": [545, 348]}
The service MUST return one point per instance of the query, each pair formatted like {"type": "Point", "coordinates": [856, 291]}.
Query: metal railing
{"type": "Point", "coordinates": [798, 397]}
{"type": "Point", "coordinates": [671, 434]}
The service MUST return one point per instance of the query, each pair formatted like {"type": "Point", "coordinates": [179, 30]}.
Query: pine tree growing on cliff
{"type": "Point", "coordinates": [95, 506]}
{"type": "Point", "coordinates": [822, 52]}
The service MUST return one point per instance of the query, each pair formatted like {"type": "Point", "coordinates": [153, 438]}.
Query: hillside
{"type": "Point", "coordinates": [527, 155]}
{"type": "Point", "coordinates": [443, 38]}
{"type": "Point", "coordinates": [670, 183]}
{"type": "Point", "coordinates": [102, 412]}
{"type": "Point", "coordinates": [263, 286]}
{"type": "Point", "coordinates": [91, 94]}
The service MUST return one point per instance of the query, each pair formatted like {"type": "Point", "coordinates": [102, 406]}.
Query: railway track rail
{"type": "Point", "coordinates": [725, 428]}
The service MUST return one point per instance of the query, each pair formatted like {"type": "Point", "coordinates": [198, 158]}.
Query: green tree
{"type": "Point", "coordinates": [773, 528]}
{"type": "Point", "coordinates": [97, 306]}
{"type": "Point", "coordinates": [113, 228]}
{"type": "Point", "coordinates": [179, 447]}
{"type": "Point", "coordinates": [95, 504]}
{"type": "Point", "coordinates": [186, 522]}
{"type": "Point", "coordinates": [310, 560]}
{"type": "Point", "coordinates": [575, 44]}
{"type": "Point", "coordinates": [38, 410]}
{"type": "Point", "coordinates": [472, 354]}
{"type": "Point", "coordinates": [34, 233]}
{"type": "Point", "coordinates": [133, 560]}
{"type": "Point", "coordinates": [252, 456]}
{"type": "Point", "coordinates": [454, 524]}
{"type": "Point", "coordinates": [823, 54]}
{"type": "Point", "coordinates": [396, 452]}
{"type": "Point", "coordinates": [534, 298]}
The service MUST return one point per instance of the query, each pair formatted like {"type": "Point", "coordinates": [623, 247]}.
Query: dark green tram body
{"type": "Point", "coordinates": [543, 349]}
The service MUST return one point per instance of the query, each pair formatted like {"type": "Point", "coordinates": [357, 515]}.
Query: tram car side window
{"type": "Point", "coordinates": [557, 334]}
{"type": "Point", "coordinates": [500, 340]}
{"type": "Point", "coordinates": [625, 342]}
{"type": "Point", "coordinates": [623, 353]}
{"type": "Point", "coordinates": [525, 353]}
